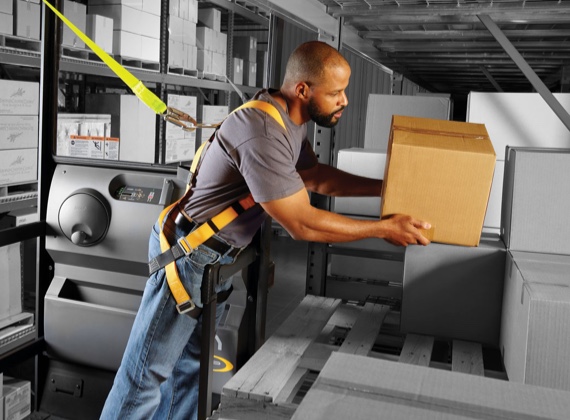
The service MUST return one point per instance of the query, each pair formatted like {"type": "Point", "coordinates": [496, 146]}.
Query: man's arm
{"type": "Point", "coordinates": [305, 222]}
{"type": "Point", "coordinates": [328, 180]}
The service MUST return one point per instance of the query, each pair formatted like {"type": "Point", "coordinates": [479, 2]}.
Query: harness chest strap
{"type": "Point", "coordinates": [207, 229]}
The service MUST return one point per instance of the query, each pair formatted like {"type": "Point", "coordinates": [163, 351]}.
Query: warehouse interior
{"type": "Point", "coordinates": [462, 105]}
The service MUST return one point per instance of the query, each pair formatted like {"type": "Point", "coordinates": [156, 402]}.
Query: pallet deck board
{"type": "Point", "coordinates": [417, 350]}
{"type": "Point", "coordinates": [467, 358]}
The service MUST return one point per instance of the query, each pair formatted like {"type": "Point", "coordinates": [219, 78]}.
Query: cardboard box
{"type": "Point", "coordinates": [18, 166]}
{"type": "Point", "coordinates": [204, 61]}
{"type": "Point", "coordinates": [519, 119]}
{"type": "Point", "coordinates": [127, 44]}
{"type": "Point", "coordinates": [76, 13]}
{"type": "Point", "coordinates": [369, 163]}
{"type": "Point", "coordinates": [19, 98]}
{"type": "Point", "coordinates": [210, 17]}
{"type": "Point", "coordinates": [83, 135]}
{"type": "Point", "coordinates": [131, 121]}
{"type": "Point", "coordinates": [441, 172]}
{"type": "Point", "coordinates": [18, 131]}
{"type": "Point", "coordinates": [250, 73]}
{"type": "Point", "coordinates": [205, 38]}
{"type": "Point", "coordinates": [212, 114]}
{"type": "Point", "coordinates": [17, 399]}
{"type": "Point", "coordinates": [245, 47]}
{"type": "Point", "coordinates": [218, 64]}
{"type": "Point", "coordinates": [7, 7]}
{"type": "Point", "coordinates": [191, 54]}
{"type": "Point", "coordinates": [19, 217]}
{"type": "Point", "coordinates": [189, 32]}
{"type": "Point", "coordinates": [150, 50]}
{"type": "Point", "coordinates": [381, 108]}
{"type": "Point", "coordinates": [6, 23]}
{"type": "Point", "coordinates": [125, 18]}
{"type": "Point", "coordinates": [11, 284]}
{"type": "Point", "coordinates": [176, 29]}
{"type": "Point", "coordinates": [27, 19]}
{"type": "Point", "coordinates": [237, 76]}
{"type": "Point", "coordinates": [536, 199]}
{"type": "Point", "coordinates": [100, 30]}
{"type": "Point", "coordinates": [358, 387]}
{"type": "Point", "coordinates": [454, 292]}
{"type": "Point", "coordinates": [135, 4]}
{"type": "Point", "coordinates": [535, 338]}
{"type": "Point", "coordinates": [152, 6]}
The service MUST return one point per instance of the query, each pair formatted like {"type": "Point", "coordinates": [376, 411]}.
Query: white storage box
{"type": "Point", "coordinates": [18, 131]}
{"type": "Point", "coordinates": [18, 166]}
{"type": "Point", "coordinates": [19, 98]}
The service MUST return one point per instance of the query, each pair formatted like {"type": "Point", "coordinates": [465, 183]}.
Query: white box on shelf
{"type": "Point", "coordinates": [6, 23]}
{"type": "Point", "coordinates": [127, 44]}
{"type": "Point", "coordinates": [18, 166]}
{"type": "Point", "coordinates": [11, 284]}
{"type": "Point", "coordinates": [18, 131]}
{"type": "Point", "coordinates": [150, 50]}
{"type": "Point", "coordinates": [27, 19]}
{"type": "Point", "coordinates": [100, 30]}
{"type": "Point", "coordinates": [210, 17]}
{"type": "Point", "coordinates": [212, 114]}
{"type": "Point", "coordinates": [19, 98]}
{"type": "Point", "coordinates": [17, 398]}
{"type": "Point", "coordinates": [76, 13]}
{"type": "Point", "coordinates": [125, 18]}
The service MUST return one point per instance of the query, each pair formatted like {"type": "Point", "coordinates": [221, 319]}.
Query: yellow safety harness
{"type": "Point", "coordinates": [198, 236]}
{"type": "Point", "coordinates": [185, 245]}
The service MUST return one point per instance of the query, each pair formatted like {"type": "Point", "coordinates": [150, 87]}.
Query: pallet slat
{"type": "Point", "coordinates": [467, 357]}
{"type": "Point", "coordinates": [417, 350]}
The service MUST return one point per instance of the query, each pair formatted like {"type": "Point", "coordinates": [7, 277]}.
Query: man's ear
{"type": "Point", "coordinates": [302, 90]}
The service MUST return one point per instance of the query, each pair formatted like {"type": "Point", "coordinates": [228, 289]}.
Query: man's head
{"type": "Point", "coordinates": [317, 75]}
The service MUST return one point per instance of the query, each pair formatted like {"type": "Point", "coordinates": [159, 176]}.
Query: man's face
{"type": "Point", "coordinates": [328, 98]}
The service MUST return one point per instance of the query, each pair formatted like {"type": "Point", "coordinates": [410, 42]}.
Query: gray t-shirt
{"type": "Point", "coordinates": [250, 153]}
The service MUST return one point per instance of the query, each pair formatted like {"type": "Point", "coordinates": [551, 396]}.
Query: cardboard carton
{"type": "Point", "coordinates": [369, 163]}
{"type": "Point", "coordinates": [382, 107]}
{"type": "Point", "coordinates": [100, 30]}
{"type": "Point", "coordinates": [245, 47]}
{"type": "Point", "coordinates": [358, 387]}
{"type": "Point", "coordinates": [535, 338]}
{"type": "Point", "coordinates": [27, 19]}
{"type": "Point", "coordinates": [19, 98]}
{"type": "Point", "coordinates": [6, 23]}
{"type": "Point", "coordinates": [536, 197]}
{"type": "Point", "coordinates": [17, 399]}
{"type": "Point", "coordinates": [18, 166]}
{"type": "Point", "coordinates": [76, 13]}
{"type": "Point", "coordinates": [18, 131]}
{"type": "Point", "coordinates": [454, 292]}
{"type": "Point", "coordinates": [11, 284]}
{"type": "Point", "coordinates": [440, 172]}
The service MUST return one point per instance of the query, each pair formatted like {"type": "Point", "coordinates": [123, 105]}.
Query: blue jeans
{"type": "Point", "coordinates": [159, 374]}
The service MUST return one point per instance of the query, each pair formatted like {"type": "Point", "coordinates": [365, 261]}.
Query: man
{"type": "Point", "coordinates": [251, 153]}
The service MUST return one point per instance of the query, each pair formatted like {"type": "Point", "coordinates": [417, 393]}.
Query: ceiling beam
{"type": "Point", "coordinates": [467, 34]}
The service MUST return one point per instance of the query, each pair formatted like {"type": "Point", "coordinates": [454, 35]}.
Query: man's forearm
{"type": "Point", "coordinates": [336, 183]}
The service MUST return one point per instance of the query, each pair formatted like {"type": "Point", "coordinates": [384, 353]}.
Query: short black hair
{"type": "Point", "coordinates": [307, 63]}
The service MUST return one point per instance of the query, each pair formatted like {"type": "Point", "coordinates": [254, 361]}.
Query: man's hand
{"type": "Point", "coordinates": [402, 230]}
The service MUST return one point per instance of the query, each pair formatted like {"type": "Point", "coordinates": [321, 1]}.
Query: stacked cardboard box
{"type": "Point", "coordinates": [26, 18]}
{"type": "Point", "coordinates": [245, 48]}
{"type": "Point", "coordinates": [212, 114]}
{"type": "Point", "coordinates": [182, 42]}
{"type": "Point", "coordinates": [535, 338]}
{"type": "Point", "coordinates": [17, 398]}
{"type": "Point", "coordinates": [86, 136]}
{"type": "Point", "coordinates": [136, 27]}
{"type": "Point", "coordinates": [515, 119]}
{"type": "Point", "coordinates": [7, 18]}
{"type": "Point", "coordinates": [19, 108]}
{"type": "Point", "coordinates": [100, 30]}
{"type": "Point", "coordinates": [180, 144]}
{"type": "Point", "coordinates": [212, 43]}
{"type": "Point", "coordinates": [132, 122]}
{"type": "Point", "coordinates": [76, 13]}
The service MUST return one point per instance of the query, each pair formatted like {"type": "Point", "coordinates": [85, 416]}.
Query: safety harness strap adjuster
{"type": "Point", "coordinates": [185, 307]}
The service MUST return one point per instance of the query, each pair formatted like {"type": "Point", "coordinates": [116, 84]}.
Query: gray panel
{"type": "Point", "coordinates": [536, 200]}
{"type": "Point", "coordinates": [454, 291]}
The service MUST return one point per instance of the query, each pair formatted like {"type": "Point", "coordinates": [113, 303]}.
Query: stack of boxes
{"type": "Point", "coordinates": [212, 114]}
{"type": "Point", "coordinates": [76, 13]}
{"type": "Point", "coordinates": [535, 338]}
{"type": "Point", "coordinates": [136, 27]}
{"type": "Point", "coordinates": [182, 47]}
{"type": "Point", "coordinates": [245, 48]}
{"type": "Point", "coordinates": [15, 398]}
{"type": "Point", "coordinates": [212, 43]}
{"type": "Point", "coordinates": [19, 110]}
{"type": "Point", "coordinates": [86, 136]}
{"type": "Point", "coordinates": [180, 144]}
{"type": "Point", "coordinates": [7, 18]}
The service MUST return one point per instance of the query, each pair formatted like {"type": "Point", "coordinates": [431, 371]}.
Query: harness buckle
{"type": "Point", "coordinates": [186, 247]}
{"type": "Point", "coordinates": [185, 307]}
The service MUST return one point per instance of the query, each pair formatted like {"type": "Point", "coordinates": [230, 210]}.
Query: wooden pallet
{"type": "Point", "coordinates": [274, 381]}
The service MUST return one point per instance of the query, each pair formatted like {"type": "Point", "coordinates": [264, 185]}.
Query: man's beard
{"type": "Point", "coordinates": [322, 119]}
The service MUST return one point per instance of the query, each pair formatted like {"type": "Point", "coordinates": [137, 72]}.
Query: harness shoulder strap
{"type": "Point", "coordinates": [206, 230]}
